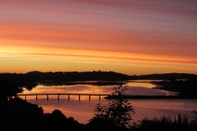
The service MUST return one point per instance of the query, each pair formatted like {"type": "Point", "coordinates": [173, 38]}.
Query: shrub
{"type": "Point", "coordinates": [114, 116]}
{"type": "Point", "coordinates": [179, 122]}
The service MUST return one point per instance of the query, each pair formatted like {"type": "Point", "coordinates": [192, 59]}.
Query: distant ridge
{"type": "Point", "coordinates": [102, 75]}
{"type": "Point", "coordinates": [167, 76]}
{"type": "Point", "coordinates": [74, 75]}
{"type": "Point", "coordinates": [34, 72]}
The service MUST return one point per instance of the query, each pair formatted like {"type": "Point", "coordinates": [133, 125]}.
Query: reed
{"type": "Point", "coordinates": [176, 122]}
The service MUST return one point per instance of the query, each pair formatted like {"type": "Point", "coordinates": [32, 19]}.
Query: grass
{"type": "Point", "coordinates": [176, 122]}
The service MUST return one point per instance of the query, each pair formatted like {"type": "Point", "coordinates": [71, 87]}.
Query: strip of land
{"type": "Point", "coordinates": [148, 97]}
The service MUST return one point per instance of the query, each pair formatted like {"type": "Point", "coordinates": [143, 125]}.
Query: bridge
{"type": "Point", "coordinates": [107, 96]}
{"type": "Point", "coordinates": [61, 94]}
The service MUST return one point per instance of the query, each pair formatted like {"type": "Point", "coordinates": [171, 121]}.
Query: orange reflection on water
{"type": "Point", "coordinates": [133, 88]}
{"type": "Point", "coordinates": [144, 85]}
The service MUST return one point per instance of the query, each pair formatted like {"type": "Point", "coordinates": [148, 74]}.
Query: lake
{"type": "Point", "coordinates": [83, 110]}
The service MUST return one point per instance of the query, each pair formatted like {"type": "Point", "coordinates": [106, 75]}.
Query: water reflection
{"type": "Point", "coordinates": [134, 88]}
{"type": "Point", "coordinates": [83, 110]}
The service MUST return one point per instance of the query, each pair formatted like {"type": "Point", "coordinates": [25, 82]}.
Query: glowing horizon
{"type": "Point", "coordinates": [130, 37]}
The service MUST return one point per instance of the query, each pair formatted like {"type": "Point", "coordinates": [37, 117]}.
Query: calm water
{"type": "Point", "coordinates": [83, 110]}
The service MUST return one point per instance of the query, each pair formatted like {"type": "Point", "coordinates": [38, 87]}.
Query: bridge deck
{"type": "Point", "coordinates": [60, 94]}
{"type": "Point", "coordinates": [107, 96]}
{"type": "Point", "coordinates": [86, 94]}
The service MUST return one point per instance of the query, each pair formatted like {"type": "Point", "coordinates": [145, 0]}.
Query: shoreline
{"type": "Point", "coordinates": [149, 97]}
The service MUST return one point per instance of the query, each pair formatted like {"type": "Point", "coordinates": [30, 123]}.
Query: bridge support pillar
{"type": "Point", "coordinates": [36, 97]}
{"type": "Point", "coordinates": [58, 97]}
{"type": "Point", "coordinates": [79, 97]}
{"type": "Point", "coordinates": [89, 97]}
{"type": "Point", "coordinates": [47, 97]}
{"type": "Point", "coordinates": [99, 97]}
{"type": "Point", "coordinates": [68, 97]}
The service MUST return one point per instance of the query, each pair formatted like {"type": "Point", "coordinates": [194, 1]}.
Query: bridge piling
{"type": "Point", "coordinates": [89, 97]}
{"type": "Point", "coordinates": [58, 96]}
{"type": "Point", "coordinates": [68, 97]}
{"type": "Point", "coordinates": [79, 97]}
{"type": "Point", "coordinates": [47, 97]}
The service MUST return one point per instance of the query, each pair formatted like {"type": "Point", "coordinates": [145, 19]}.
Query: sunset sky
{"type": "Point", "coordinates": [128, 36]}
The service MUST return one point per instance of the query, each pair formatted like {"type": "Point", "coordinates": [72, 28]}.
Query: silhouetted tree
{"type": "Point", "coordinates": [60, 122]}
{"type": "Point", "coordinates": [116, 115]}
{"type": "Point", "coordinates": [8, 89]}
{"type": "Point", "coordinates": [19, 115]}
{"type": "Point", "coordinates": [20, 102]}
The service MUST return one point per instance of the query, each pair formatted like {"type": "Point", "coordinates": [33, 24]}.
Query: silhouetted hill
{"type": "Point", "coordinates": [19, 115]}
{"type": "Point", "coordinates": [77, 76]}
{"type": "Point", "coordinates": [22, 118]}
{"type": "Point", "coordinates": [166, 76]}
{"type": "Point", "coordinates": [32, 78]}
{"type": "Point", "coordinates": [34, 72]}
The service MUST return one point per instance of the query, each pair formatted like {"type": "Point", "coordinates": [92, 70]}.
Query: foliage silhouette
{"type": "Point", "coordinates": [8, 89]}
{"type": "Point", "coordinates": [179, 122]}
{"type": "Point", "coordinates": [20, 102]}
{"type": "Point", "coordinates": [184, 88]}
{"type": "Point", "coordinates": [116, 115]}
{"type": "Point", "coordinates": [19, 115]}
{"type": "Point", "coordinates": [60, 122]}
